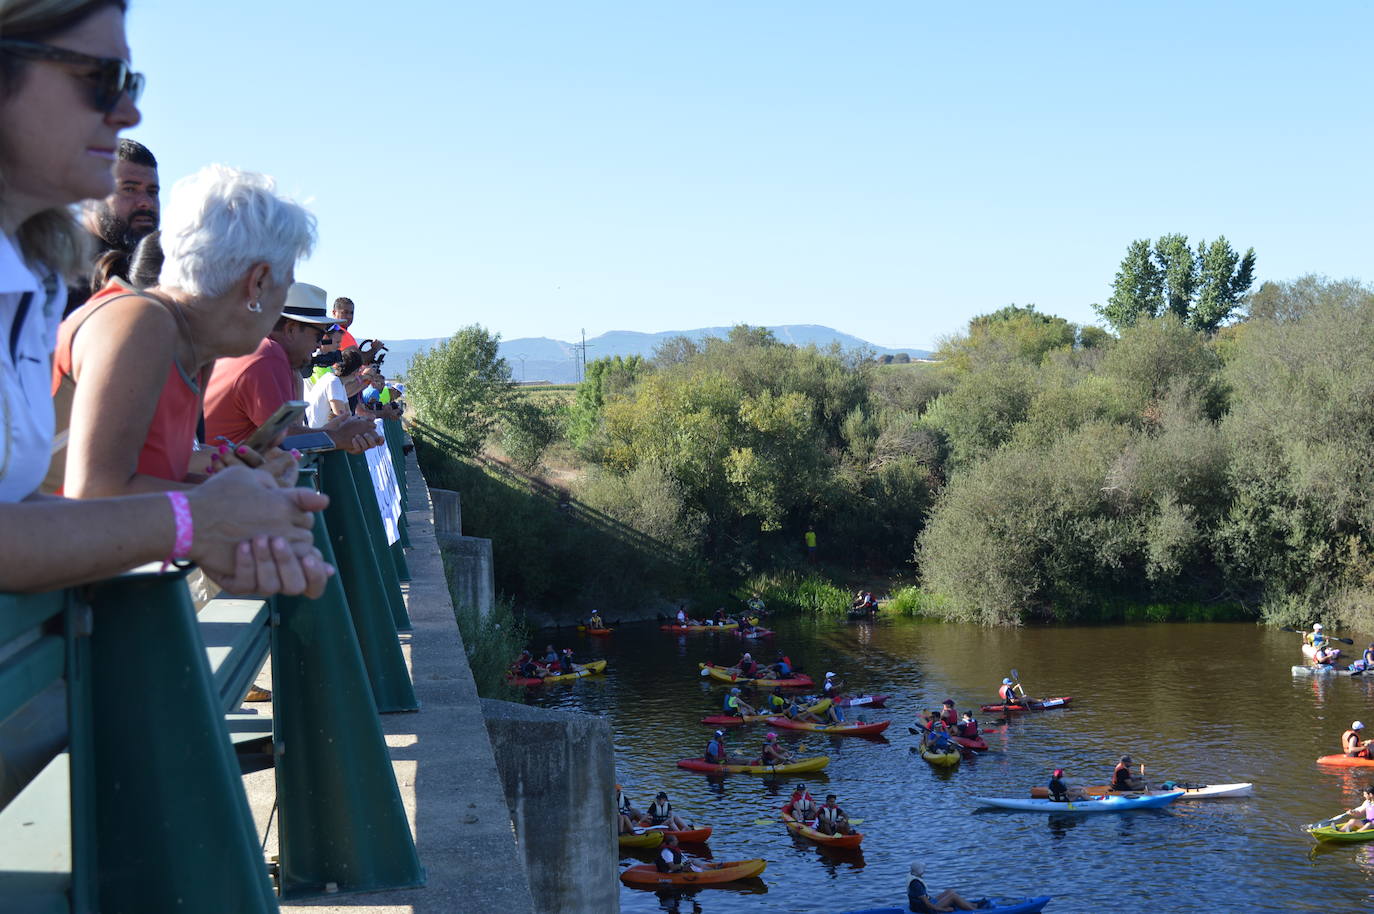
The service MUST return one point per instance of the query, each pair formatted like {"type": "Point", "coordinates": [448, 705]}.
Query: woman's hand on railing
{"type": "Point", "coordinates": [354, 435]}
{"type": "Point", "coordinates": [237, 506]}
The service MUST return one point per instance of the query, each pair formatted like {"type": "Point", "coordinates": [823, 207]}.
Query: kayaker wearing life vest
{"type": "Point", "coordinates": [660, 812]}
{"type": "Point", "coordinates": [735, 705]}
{"type": "Point", "coordinates": [1123, 780]}
{"type": "Point", "coordinates": [948, 714]}
{"type": "Point", "coordinates": [715, 749]}
{"type": "Point", "coordinates": [772, 753]}
{"type": "Point", "coordinates": [1061, 792]}
{"type": "Point", "coordinates": [968, 726]}
{"type": "Point", "coordinates": [832, 686]}
{"type": "Point", "coordinates": [626, 812]}
{"type": "Point", "coordinates": [746, 666]}
{"type": "Point", "coordinates": [1352, 745]}
{"type": "Point", "coordinates": [1008, 694]}
{"type": "Point", "coordinates": [595, 621]}
{"type": "Point", "coordinates": [831, 819]}
{"type": "Point", "coordinates": [918, 897]}
{"type": "Point", "coordinates": [1362, 816]}
{"type": "Point", "coordinates": [803, 806]}
{"type": "Point", "coordinates": [782, 666]}
{"type": "Point", "coordinates": [777, 704]}
{"type": "Point", "coordinates": [797, 711]}
{"type": "Point", "coordinates": [670, 860]}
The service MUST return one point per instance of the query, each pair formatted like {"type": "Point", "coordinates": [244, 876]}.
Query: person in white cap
{"type": "Point", "coordinates": [919, 899]}
{"type": "Point", "coordinates": [832, 686]}
{"type": "Point", "coordinates": [1352, 745]}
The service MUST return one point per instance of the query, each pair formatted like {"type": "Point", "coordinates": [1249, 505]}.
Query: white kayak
{"type": "Point", "coordinates": [1211, 791]}
{"type": "Point", "coordinates": [1095, 804]}
{"type": "Point", "coordinates": [1324, 671]}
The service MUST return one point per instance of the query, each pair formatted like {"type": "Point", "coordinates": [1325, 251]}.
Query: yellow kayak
{"type": "Point", "coordinates": [801, 767]}
{"type": "Point", "coordinates": [946, 759]}
{"type": "Point", "coordinates": [644, 839]}
{"type": "Point", "coordinates": [589, 669]}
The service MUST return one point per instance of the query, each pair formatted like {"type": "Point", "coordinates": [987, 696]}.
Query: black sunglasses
{"type": "Point", "coordinates": [112, 76]}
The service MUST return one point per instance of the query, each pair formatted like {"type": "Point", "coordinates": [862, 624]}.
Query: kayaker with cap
{"type": "Point", "coordinates": [1007, 693]}
{"type": "Point", "coordinates": [918, 897]}
{"type": "Point", "coordinates": [736, 706]}
{"type": "Point", "coordinates": [746, 666]}
{"type": "Point", "coordinates": [660, 813]}
{"type": "Point", "coordinates": [595, 621]}
{"type": "Point", "coordinates": [948, 714]}
{"type": "Point", "coordinates": [832, 686]}
{"type": "Point", "coordinates": [1351, 744]}
{"type": "Point", "coordinates": [1123, 780]}
{"type": "Point", "coordinates": [1060, 791]}
{"type": "Point", "coordinates": [670, 860]}
{"type": "Point", "coordinates": [803, 807]}
{"type": "Point", "coordinates": [772, 752]}
{"type": "Point", "coordinates": [715, 749]}
{"type": "Point", "coordinates": [1362, 816]}
{"type": "Point", "coordinates": [831, 819]}
{"type": "Point", "coordinates": [777, 704]}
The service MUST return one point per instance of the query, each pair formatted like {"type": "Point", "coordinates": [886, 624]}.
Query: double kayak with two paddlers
{"type": "Point", "coordinates": [1043, 704]}
{"type": "Point", "coordinates": [647, 874]}
{"type": "Point", "coordinates": [996, 906]}
{"type": "Point", "coordinates": [1123, 803]}
{"type": "Point", "coordinates": [723, 674]}
{"type": "Point", "coordinates": [1190, 791]}
{"type": "Point", "coordinates": [848, 728]}
{"type": "Point", "coordinates": [589, 669]}
{"type": "Point", "coordinates": [799, 767]}
{"type": "Point", "coordinates": [799, 827]}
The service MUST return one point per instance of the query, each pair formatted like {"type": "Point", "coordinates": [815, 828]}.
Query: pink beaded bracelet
{"type": "Point", "coordinates": [181, 513]}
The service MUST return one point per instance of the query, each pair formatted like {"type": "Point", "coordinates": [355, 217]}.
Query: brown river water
{"type": "Point", "coordinates": [1206, 703]}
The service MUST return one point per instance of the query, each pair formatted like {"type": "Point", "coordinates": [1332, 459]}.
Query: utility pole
{"type": "Point", "coordinates": [582, 356]}
{"type": "Point", "coordinates": [521, 356]}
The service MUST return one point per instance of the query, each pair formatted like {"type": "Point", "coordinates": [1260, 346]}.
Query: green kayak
{"type": "Point", "coordinates": [1336, 836]}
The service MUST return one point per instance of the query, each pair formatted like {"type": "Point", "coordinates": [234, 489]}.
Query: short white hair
{"type": "Point", "coordinates": [220, 221]}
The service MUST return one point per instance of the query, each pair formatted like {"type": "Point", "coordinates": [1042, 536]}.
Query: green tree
{"type": "Point", "coordinates": [1012, 334]}
{"type": "Point", "coordinates": [462, 386]}
{"type": "Point", "coordinates": [1202, 288]}
{"type": "Point", "coordinates": [604, 379]}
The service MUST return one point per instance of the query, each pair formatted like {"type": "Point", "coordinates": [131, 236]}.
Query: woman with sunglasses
{"type": "Point", "coordinates": [66, 91]}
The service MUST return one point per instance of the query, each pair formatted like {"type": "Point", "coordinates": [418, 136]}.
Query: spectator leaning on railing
{"type": "Point", "coordinates": [244, 392]}
{"type": "Point", "coordinates": [66, 91]}
{"type": "Point", "coordinates": [131, 366]}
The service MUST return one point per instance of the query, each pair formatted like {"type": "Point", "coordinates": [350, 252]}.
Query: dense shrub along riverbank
{"type": "Point", "coordinates": [1041, 471]}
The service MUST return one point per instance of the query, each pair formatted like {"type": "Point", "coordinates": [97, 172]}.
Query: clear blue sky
{"type": "Point", "coordinates": [888, 168]}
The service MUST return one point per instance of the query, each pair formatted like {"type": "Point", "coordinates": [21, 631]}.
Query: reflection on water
{"type": "Point", "coordinates": [1202, 703]}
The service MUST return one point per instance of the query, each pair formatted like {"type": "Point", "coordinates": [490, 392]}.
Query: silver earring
{"type": "Point", "coordinates": [255, 307]}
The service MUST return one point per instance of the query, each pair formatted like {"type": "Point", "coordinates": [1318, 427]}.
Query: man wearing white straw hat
{"type": "Point", "coordinates": [918, 896]}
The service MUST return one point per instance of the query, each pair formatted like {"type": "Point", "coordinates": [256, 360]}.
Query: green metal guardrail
{"type": "Point", "coordinates": [144, 808]}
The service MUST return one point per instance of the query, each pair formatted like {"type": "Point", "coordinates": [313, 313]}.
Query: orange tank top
{"type": "Point", "coordinates": [171, 435]}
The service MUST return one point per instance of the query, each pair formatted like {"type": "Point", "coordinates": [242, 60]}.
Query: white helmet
{"type": "Point", "coordinates": [1316, 626]}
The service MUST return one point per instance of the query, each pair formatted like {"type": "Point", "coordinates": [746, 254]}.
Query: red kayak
{"type": "Point", "coordinates": [977, 744]}
{"type": "Point", "coordinates": [730, 720]}
{"type": "Point", "coordinates": [1043, 704]}
{"type": "Point", "coordinates": [860, 701]}
{"type": "Point", "coordinates": [756, 633]}
{"type": "Point", "coordinates": [1345, 761]}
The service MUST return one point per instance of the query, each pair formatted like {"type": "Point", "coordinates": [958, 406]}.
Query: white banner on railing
{"type": "Point", "coordinates": [388, 492]}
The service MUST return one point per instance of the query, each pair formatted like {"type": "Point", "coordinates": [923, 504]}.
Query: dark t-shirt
{"type": "Point", "coordinates": [916, 895]}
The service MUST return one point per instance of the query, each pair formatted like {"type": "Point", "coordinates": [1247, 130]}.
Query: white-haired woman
{"type": "Point", "coordinates": [131, 366]}
{"type": "Point", "coordinates": [66, 91]}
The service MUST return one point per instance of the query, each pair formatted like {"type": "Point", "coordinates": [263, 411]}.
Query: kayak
{"type": "Point", "coordinates": [690, 836]}
{"type": "Point", "coordinates": [1043, 704]}
{"type": "Point", "coordinates": [805, 765]}
{"type": "Point", "coordinates": [798, 827]}
{"type": "Point", "coordinates": [712, 873]}
{"type": "Point", "coordinates": [945, 759]}
{"type": "Point", "coordinates": [1345, 761]}
{"type": "Point", "coordinates": [1324, 671]}
{"type": "Point", "coordinates": [588, 669]}
{"type": "Point", "coordinates": [1336, 836]}
{"type": "Point", "coordinates": [728, 626]}
{"type": "Point", "coordinates": [853, 728]}
{"type": "Point", "coordinates": [1096, 804]}
{"type": "Point", "coordinates": [756, 633]}
{"type": "Point", "coordinates": [1190, 791]}
{"type": "Point", "coordinates": [733, 720]}
{"type": "Point", "coordinates": [797, 681]}
{"type": "Point", "coordinates": [641, 839]}
{"type": "Point", "coordinates": [998, 906]}
{"type": "Point", "coordinates": [977, 743]}
{"type": "Point", "coordinates": [876, 701]}
{"type": "Point", "coordinates": [600, 631]}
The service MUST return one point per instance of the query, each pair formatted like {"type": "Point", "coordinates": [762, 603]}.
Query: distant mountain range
{"type": "Point", "coordinates": [543, 359]}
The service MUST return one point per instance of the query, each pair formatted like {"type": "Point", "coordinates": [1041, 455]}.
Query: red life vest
{"type": "Point", "coordinates": [1007, 694]}
{"type": "Point", "coordinates": [949, 716]}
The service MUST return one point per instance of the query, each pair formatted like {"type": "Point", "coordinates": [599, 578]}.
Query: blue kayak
{"type": "Point", "coordinates": [1093, 804]}
{"type": "Point", "coordinates": [1000, 906]}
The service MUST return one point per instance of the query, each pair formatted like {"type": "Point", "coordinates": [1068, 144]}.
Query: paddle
{"type": "Point", "coordinates": [775, 821]}
{"type": "Point", "coordinates": [1325, 822]}
{"type": "Point", "coordinates": [1298, 631]}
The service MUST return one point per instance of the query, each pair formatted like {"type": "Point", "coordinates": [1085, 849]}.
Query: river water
{"type": "Point", "coordinates": [1207, 703]}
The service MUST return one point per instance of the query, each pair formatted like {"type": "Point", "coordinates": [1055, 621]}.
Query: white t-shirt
{"type": "Point", "coordinates": [26, 411]}
{"type": "Point", "coordinates": [327, 388]}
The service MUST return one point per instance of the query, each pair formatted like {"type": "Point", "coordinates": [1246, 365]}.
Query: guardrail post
{"type": "Point", "coordinates": [341, 535]}
{"type": "Point", "coordinates": [375, 532]}
{"type": "Point", "coordinates": [172, 823]}
{"type": "Point", "coordinates": [342, 820]}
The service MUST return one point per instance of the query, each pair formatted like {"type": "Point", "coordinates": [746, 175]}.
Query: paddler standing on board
{"type": "Point", "coordinates": [1352, 745]}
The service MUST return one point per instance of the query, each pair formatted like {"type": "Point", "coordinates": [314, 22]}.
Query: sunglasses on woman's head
{"type": "Point", "coordinates": [111, 77]}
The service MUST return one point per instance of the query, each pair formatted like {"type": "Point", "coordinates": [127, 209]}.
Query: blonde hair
{"type": "Point", "coordinates": [51, 237]}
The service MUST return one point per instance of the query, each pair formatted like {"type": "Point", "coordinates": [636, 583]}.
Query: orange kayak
{"type": "Point", "coordinates": [646, 874]}
{"type": "Point", "coordinates": [798, 827]}
{"type": "Point", "coordinates": [1345, 761]}
{"type": "Point", "coordinates": [854, 728]}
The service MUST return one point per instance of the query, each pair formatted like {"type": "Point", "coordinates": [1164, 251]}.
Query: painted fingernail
{"type": "Point", "coordinates": [211, 471]}
{"type": "Point", "coordinates": [240, 450]}
{"type": "Point", "coordinates": [224, 449]}
{"type": "Point", "coordinates": [295, 453]}
{"type": "Point", "coordinates": [214, 458]}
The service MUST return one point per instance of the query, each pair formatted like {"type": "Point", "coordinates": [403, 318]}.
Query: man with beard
{"type": "Point", "coordinates": [120, 221]}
